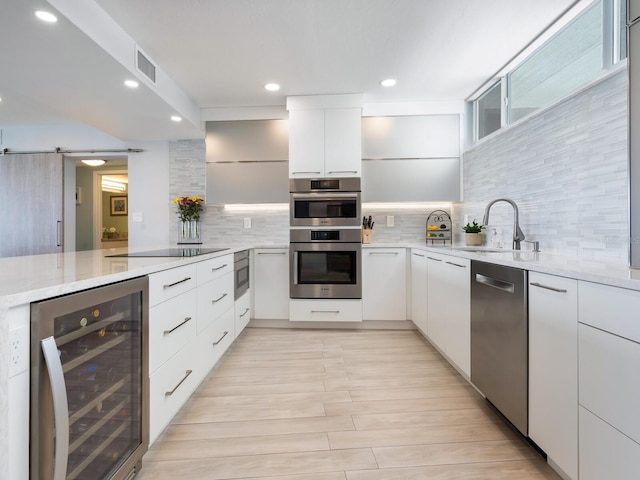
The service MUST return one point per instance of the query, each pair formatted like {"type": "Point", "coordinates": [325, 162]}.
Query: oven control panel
{"type": "Point", "coordinates": [325, 235]}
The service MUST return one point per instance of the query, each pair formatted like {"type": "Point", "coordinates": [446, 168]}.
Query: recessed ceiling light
{"type": "Point", "coordinates": [389, 82]}
{"type": "Point", "coordinates": [272, 87]}
{"type": "Point", "coordinates": [176, 118]}
{"type": "Point", "coordinates": [93, 163]}
{"type": "Point", "coordinates": [131, 83]}
{"type": "Point", "coordinates": [46, 16]}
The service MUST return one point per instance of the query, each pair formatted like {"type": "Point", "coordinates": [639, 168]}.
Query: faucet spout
{"type": "Point", "coordinates": [518, 235]}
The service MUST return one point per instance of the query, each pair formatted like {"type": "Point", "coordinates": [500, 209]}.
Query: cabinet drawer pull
{"type": "Point", "coordinates": [272, 253]}
{"type": "Point", "coordinates": [383, 253]}
{"type": "Point", "coordinates": [186, 279]}
{"type": "Point", "coordinates": [187, 373]}
{"type": "Point", "coordinates": [218, 299]}
{"type": "Point", "coordinates": [220, 339]}
{"type": "Point", "coordinates": [245, 312]}
{"type": "Point", "coordinates": [317, 173]}
{"type": "Point", "coordinates": [456, 264]}
{"type": "Point", "coordinates": [434, 259]}
{"type": "Point", "coordinates": [219, 268]}
{"type": "Point", "coordinates": [335, 312]}
{"type": "Point", "coordinates": [546, 287]}
{"type": "Point", "coordinates": [418, 255]}
{"type": "Point", "coordinates": [342, 171]}
{"type": "Point", "coordinates": [177, 326]}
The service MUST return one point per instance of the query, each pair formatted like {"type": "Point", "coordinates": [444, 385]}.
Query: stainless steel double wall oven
{"type": "Point", "coordinates": [325, 238]}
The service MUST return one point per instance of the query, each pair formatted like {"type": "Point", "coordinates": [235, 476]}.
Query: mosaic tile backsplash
{"type": "Point", "coordinates": [566, 168]}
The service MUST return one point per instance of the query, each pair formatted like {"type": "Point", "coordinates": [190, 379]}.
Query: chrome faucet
{"type": "Point", "coordinates": [518, 236]}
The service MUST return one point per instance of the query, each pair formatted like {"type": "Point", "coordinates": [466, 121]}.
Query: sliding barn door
{"type": "Point", "coordinates": [31, 204]}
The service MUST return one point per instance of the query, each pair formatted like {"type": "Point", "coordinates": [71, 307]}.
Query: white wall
{"type": "Point", "coordinates": [148, 194]}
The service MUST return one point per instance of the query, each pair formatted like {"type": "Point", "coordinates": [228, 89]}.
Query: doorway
{"type": "Point", "coordinates": [102, 204]}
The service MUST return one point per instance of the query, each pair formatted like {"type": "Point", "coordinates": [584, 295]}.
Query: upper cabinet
{"type": "Point", "coordinates": [325, 134]}
{"type": "Point", "coordinates": [633, 11]}
{"type": "Point", "coordinates": [247, 161]}
{"type": "Point", "coordinates": [413, 136]}
{"type": "Point", "coordinates": [411, 158]}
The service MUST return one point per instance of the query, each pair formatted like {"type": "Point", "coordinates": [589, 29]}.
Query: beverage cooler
{"type": "Point", "coordinates": [89, 383]}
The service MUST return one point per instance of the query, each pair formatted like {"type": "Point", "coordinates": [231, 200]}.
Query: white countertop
{"type": "Point", "coordinates": [36, 277]}
{"type": "Point", "coordinates": [605, 271]}
{"type": "Point", "coordinates": [32, 278]}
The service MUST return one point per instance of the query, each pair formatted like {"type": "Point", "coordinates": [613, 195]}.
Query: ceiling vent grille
{"type": "Point", "coordinates": [145, 66]}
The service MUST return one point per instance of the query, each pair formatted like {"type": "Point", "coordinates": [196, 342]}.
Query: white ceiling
{"type": "Point", "coordinates": [220, 53]}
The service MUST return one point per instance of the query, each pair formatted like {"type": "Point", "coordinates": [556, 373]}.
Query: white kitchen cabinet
{"type": "Point", "coordinates": [173, 327]}
{"type": "Point", "coordinates": [270, 284]}
{"type": "Point", "coordinates": [191, 309]}
{"type": "Point", "coordinates": [214, 341]}
{"type": "Point", "coordinates": [608, 382]}
{"type": "Point", "coordinates": [605, 452]}
{"type": "Point", "coordinates": [325, 143]}
{"type": "Point", "coordinates": [553, 368]}
{"type": "Point", "coordinates": [449, 308]}
{"type": "Point", "coordinates": [343, 144]}
{"type": "Point", "coordinates": [325, 136]}
{"type": "Point", "coordinates": [384, 284]}
{"type": "Point", "coordinates": [306, 143]}
{"type": "Point", "coordinates": [214, 298]}
{"type": "Point", "coordinates": [419, 289]}
{"type": "Point", "coordinates": [170, 386]}
{"type": "Point", "coordinates": [325, 310]}
{"type": "Point", "coordinates": [242, 313]}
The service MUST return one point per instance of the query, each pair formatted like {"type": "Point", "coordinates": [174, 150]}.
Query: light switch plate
{"type": "Point", "coordinates": [136, 217]}
{"type": "Point", "coordinates": [390, 221]}
{"type": "Point", "coordinates": [247, 222]}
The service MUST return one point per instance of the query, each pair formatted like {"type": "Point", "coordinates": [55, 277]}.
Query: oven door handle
{"type": "Point", "coordinates": [324, 196]}
{"type": "Point", "coordinates": [295, 266]}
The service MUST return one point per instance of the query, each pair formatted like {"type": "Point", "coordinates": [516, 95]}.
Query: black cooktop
{"type": "Point", "coordinates": [171, 252]}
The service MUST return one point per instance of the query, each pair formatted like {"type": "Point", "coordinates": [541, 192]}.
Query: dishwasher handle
{"type": "Point", "coordinates": [495, 283]}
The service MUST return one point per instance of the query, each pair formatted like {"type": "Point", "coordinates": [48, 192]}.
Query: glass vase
{"type": "Point", "coordinates": [189, 232]}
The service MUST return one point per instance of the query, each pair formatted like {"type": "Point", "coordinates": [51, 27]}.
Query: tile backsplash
{"type": "Point", "coordinates": [566, 168]}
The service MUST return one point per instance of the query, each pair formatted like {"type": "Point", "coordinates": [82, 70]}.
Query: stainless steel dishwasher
{"type": "Point", "coordinates": [499, 339]}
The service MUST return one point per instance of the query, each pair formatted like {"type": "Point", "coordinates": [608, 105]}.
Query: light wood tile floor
{"type": "Point", "coordinates": [338, 405]}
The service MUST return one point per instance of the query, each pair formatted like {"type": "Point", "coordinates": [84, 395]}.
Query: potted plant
{"type": "Point", "coordinates": [473, 233]}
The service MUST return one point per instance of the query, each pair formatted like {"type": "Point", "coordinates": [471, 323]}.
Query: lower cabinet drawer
{"type": "Point", "coordinates": [172, 325]}
{"type": "Point", "coordinates": [214, 341]}
{"type": "Point", "coordinates": [214, 298]}
{"type": "Point", "coordinates": [609, 384]}
{"type": "Point", "coordinates": [242, 313]}
{"type": "Point", "coordinates": [171, 283]}
{"type": "Point", "coordinates": [325, 310]}
{"type": "Point", "coordinates": [605, 452]}
{"type": "Point", "coordinates": [170, 386]}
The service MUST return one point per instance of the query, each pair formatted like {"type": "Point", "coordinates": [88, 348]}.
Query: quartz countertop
{"type": "Point", "coordinates": [614, 272]}
{"type": "Point", "coordinates": [36, 277]}
{"type": "Point", "coordinates": [31, 278]}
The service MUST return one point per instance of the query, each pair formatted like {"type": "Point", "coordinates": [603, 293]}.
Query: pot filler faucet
{"type": "Point", "coordinates": [518, 236]}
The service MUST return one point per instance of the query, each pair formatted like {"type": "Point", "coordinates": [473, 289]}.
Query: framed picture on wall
{"type": "Point", "coordinates": [119, 206]}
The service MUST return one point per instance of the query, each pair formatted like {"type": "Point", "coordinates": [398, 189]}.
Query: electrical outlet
{"type": "Point", "coordinates": [18, 350]}
{"type": "Point", "coordinates": [247, 222]}
{"type": "Point", "coordinates": [390, 221]}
